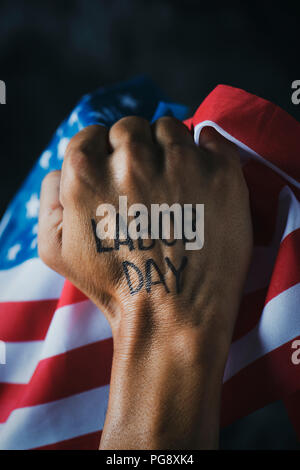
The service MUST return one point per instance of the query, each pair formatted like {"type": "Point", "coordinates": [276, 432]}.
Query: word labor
{"type": "Point", "coordinates": [188, 222]}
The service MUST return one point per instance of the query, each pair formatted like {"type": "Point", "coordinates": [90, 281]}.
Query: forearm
{"type": "Point", "coordinates": [165, 390]}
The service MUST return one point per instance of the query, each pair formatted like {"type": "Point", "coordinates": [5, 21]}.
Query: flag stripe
{"type": "Point", "coordinates": [268, 379]}
{"type": "Point", "coordinates": [72, 326]}
{"type": "Point", "coordinates": [279, 323]}
{"type": "Point", "coordinates": [31, 280]}
{"type": "Point", "coordinates": [61, 376]}
{"type": "Point", "coordinates": [46, 424]}
{"type": "Point", "coordinates": [21, 361]}
{"type": "Point", "coordinates": [89, 441]}
{"type": "Point", "coordinates": [286, 272]}
{"type": "Point", "coordinates": [26, 321]}
{"type": "Point", "coordinates": [247, 118]}
{"type": "Point", "coordinates": [250, 311]}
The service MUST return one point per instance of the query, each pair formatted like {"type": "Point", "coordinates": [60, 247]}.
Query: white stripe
{"type": "Point", "coordinates": [243, 147]}
{"type": "Point", "coordinates": [31, 280]}
{"type": "Point", "coordinates": [72, 326]}
{"type": "Point", "coordinates": [41, 425]}
{"type": "Point", "coordinates": [279, 323]}
{"type": "Point", "coordinates": [289, 204]}
{"type": "Point", "coordinates": [21, 361]}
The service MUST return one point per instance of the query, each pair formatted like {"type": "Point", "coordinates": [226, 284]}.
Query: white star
{"type": "Point", "coordinates": [44, 161]}
{"type": "Point", "coordinates": [61, 148]}
{"type": "Point", "coordinates": [13, 251]}
{"type": "Point", "coordinates": [128, 101]}
{"type": "Point", "coordinates": [35, 229]}
{"type": "Point", "coordinates": [4, 221]}
{"type": "Point", "coordinates": [73, 118]}
{"type": "Point", "coordinates": [97, 115]}
{"type": "Point", "coordinates": [33, 243]}
{"type": "Point", "coordinates": [32, 206]}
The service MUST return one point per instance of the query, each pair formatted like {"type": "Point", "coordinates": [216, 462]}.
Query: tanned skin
{"type": "Point", "coordinates": [171, 340]}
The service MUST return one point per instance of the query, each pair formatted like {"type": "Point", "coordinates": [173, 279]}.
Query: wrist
{"type": "Point", "coordinates": [149, 330]}
{"type": "Point", "coordinates": [165, 386]}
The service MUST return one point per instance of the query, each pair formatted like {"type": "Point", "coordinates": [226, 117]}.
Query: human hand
{"type": "Point", "coordinates": [167, 305]}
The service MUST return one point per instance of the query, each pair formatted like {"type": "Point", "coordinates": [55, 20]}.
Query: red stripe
{"type": "Point", "coordinates": [250, 312]}
{"type": "Point", "coordinates": [26, 321]}
{"type": "Point", "coordinates": [70, 295]}
{"type": "Point", "coordinates": [30, 320]}
{"type": "Point", "coordinates": [89, 441]}
{"type": "Point", "coordinates": [286, 273]}
{"type": "Point", "coordinates": [268, 379]}
{"type": "Point", "coordinates": [264, 188]}
{"type": "Point", "coordinates": [60, 376]}
{"type": "Point", "coordinates": [259, 124]}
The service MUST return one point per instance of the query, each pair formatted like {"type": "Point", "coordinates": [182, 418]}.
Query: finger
{"type": "Point", "coordinates": [169, 131]}
{"type": "Point", "coordinates": [174, 142]}
{"type": "Point", "coordinates": [128, 130]}
{"type": "Point", "coordinates": [50, 221]}
{"type": "Point", "coordinates": [85, 161]}
{"type": "Point", "coordinates": [133, 149]}
{"type": "Point", "coordinates": [213, 141]}
{"type": "Point", "coordinates": [91, 140]}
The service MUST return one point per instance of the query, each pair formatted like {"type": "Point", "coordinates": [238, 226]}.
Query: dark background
{"type": "Point", "coordinates": [52, 52]}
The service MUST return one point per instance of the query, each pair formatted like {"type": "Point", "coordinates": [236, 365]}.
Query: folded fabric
{"type": "Point", "coordinates": [55, 383]}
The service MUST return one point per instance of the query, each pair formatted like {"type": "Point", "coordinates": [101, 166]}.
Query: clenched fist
{"type": "Point", "coordinates": [161, 298]}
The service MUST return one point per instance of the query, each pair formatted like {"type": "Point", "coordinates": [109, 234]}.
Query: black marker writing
{"type": "Point", "coordinates": [177, 272]}
{"type": "Point", "coordinates": [132, 290]}
{"type": "Point", "coordinates": [151, 264]}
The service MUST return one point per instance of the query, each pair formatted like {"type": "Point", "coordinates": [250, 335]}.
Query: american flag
{"type": "Point", "coordinates": [54, 385]}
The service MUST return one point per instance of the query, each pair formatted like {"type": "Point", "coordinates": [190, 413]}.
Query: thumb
{"type": "Point", "coordinates": [50, 222]}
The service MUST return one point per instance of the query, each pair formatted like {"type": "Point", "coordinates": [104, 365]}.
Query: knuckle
{"type": "Point", "coordinates": [84, 143]}
{"type": "Point", "coordinates": [167, 121]}
{"type": "Point", "coordinates": [87, 140]}
{"type": "Point", "coordinates": [125, 128]}
{"type": "Point", "coordinates": [75, 172]}
{"type": "Point", "coordinates": [76, 161]}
